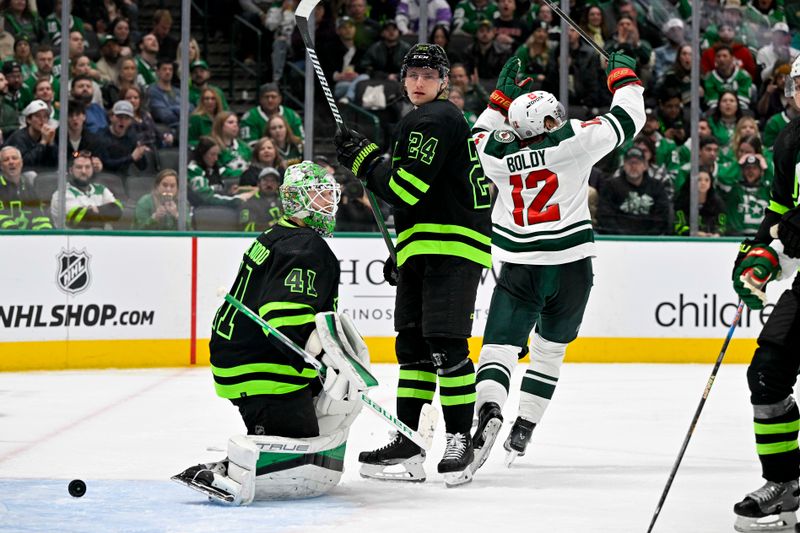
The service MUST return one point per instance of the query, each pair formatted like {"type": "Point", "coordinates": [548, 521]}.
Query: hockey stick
{"type": "Point", "coordinates": [301, 14]}
{"type": "Point", "coordinates": [557, 10]}
{"type": "Point", "coordinates": [706, 392]}
{"type": "Point", "coordinates": [428, 417]}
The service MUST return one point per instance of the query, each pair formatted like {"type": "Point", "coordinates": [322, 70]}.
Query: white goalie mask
{"type": "Point", "coordinates": [527, 113]}
{"type": "Point", "coordinates": [790, 84]}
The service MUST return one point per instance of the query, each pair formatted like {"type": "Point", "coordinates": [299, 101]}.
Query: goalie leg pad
{"type": "Point", "coordinates": [541, 378]}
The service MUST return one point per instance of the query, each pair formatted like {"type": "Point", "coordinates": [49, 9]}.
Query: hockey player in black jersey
{"type": "Point", "coordinates": [287, 276]}
{"type": "Point", "coordinates": [442, 206]}
{"type": "Point", "coordinates": [773, 371]}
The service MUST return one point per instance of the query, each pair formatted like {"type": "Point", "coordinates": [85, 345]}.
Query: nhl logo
{"type": "Point", "coordinates": [73, 271]}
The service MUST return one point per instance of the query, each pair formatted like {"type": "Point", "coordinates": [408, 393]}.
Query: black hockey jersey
{"type": "Point", "coordinates": [19, 207]}
{"type": "Point", "coordinates": [287, 275]}
{"type": "Point", "coordinates": [436, 185]}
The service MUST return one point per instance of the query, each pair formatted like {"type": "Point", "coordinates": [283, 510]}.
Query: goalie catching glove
{"type": "Point", "coordinates": [620, 71]}
{"type": "Point", "coordinates": [507, 88]}
{"type": "Point", "coordinates": [355, 152]}
{"type": "Point", "coordinates": [759, 265]}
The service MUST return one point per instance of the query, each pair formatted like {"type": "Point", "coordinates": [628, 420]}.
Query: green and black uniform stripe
{"type": "Point", "coordinates": [776, 444]}
{"type": "Point", "coordinates": [437, 187]}
{"type": "Point", "coordinates": [20, 208]}
{"type": "Point", "coordinates": [287, 276]}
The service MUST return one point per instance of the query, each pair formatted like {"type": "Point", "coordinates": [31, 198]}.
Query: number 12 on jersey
{"type": "Point", "coordinates": [538, 210]}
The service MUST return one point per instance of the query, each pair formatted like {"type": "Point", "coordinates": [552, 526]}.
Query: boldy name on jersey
{"type": "Point", "coordinates": [525, 160]}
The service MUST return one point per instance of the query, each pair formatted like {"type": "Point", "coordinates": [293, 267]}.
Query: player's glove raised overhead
{"type": "Point", "coordinates": [789, 232]}
{"type": "Point", "coordinates": [355, 151]}
{"type": "Point", "coordinates": [759, 265]}
{"type": "Point", "coordinates": [620, 71]}
{"type": "Point", "coordinates": [508, 88]}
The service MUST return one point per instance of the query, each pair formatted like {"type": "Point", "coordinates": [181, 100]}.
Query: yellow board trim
{"type": "Point", "coordinates": [63, 355]}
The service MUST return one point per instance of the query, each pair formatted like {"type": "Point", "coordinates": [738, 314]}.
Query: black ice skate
{"type": "Point", "coordinates": [490, 420]}
{"type": "Point", "coordinates": [400, 460]}
{"type": "Point", "coordinates": [205, 478]}
{"type": "Point", "coordinates": [769, 508]}
{"type": "Point", "coordinates": [458, 455]}
{"type": "Point", "coordinates": [518, 439]}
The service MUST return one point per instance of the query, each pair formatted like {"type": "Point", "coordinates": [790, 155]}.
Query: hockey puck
{"type": "Point", "coordinates": [76, 488]}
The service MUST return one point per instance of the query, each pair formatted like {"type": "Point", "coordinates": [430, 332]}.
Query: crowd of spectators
{"type": "Point", "coordinates": [124, 108]}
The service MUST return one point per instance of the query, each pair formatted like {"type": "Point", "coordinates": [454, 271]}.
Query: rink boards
{"type": "Point", "coordinates": [94, 300]}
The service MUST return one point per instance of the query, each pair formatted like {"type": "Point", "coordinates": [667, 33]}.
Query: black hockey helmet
{"type": "Point", "coordinates": [426, 56]}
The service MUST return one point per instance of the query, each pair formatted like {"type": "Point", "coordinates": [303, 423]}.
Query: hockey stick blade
{"type": "Point", "coordinates": [427, 422]}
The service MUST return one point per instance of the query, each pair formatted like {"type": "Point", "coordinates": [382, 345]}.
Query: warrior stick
{"type": "Point", "coordinates": [706, 391]}
{"type": "Point", "coordinates": [304, 10]}
{"type": "Point", "coordinates": [557, 10]}
{"type": "Point", "coordinates": [428, 417]}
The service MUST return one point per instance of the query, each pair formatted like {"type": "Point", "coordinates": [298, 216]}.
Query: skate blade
{"type": "Point", "coordinates": [510, 457]}
{"type": "Point", "coordinates": [211, 492]}
{"type": "Point", "coordinates": [410, 470]}
{"type": "Point", "coordinates": [454, 479]}
{"type": "Point", "coordinates": [780, 522]}
{"type": "Point", "coordinates": [490, 433]}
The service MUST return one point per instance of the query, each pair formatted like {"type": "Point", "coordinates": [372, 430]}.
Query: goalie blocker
{"type": "Point", "coordinates": [280, 468]}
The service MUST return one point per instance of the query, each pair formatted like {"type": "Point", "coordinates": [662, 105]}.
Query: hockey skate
{"type": "Point", "coordinates": [201, 478]}
{"type": "Point", "coordinates": [458, 455]}
{"type": "Point", "coordinates": [400, 460]}
{"type": "Point", "coordinates": [770, 508]}
{"type": "Point", "coordinates": [518, 439]}
{"type": "Point", "coordinates": [490, 420]}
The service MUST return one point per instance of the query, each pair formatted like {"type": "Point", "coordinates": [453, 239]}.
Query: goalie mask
{"type": "Point", "coordinates": [312, 195]}
{"type": "Point", "coordinates": [527, 114]}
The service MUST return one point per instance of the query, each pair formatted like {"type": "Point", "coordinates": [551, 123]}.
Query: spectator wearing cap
{"type": "Point", "coordinates": [779, 51]}
{"type": "Point", "coordinates": [167, 44]}
{"type": "Point", "coordinates": [9, 116]}
{"type": "Point", "coordinates": [147, 58]}
{"type": "Point", "coordinates": [469, 13]}
{"type": "Point", "coordinates": [408, 12]}
{"type": "Point", "coordinates": [83, 91]}
{"type": "Point", "coordinates": [23, 55]}
{"type": "Point", "coordinates": [665, 54]}
{"type": "Point", "coordinates": [726, 76]}
{"type": "Point", "coordinates": [52, 24]}
{"type": "Point", "coordinates": [88, 205]}
{"type": "Point", "coordinates": [367, 29]}
{"type": "Point", "coordinates": [270, 102]}
{"type": "Point", "coordinates": [486, 56]}
{"type": "Point", "coordinates": [512, 30]}
{"type": "Point", "coordinates": [340, 61]}
{"type": "Point", "coordinates": [36, 140]}
{"type": "Point", "coordinates": [109, 63]}
{"type": "Point", "coordinates": [164, 98]}
{"type": "Point", "coordinates": [121, 148]}
{"type": "Point", "coordinates": [200, 75]}
{"type": "Point", "coordinates": [263, 209]}
{"type": "Point", "coordinates": [21, 18]}
{"type": "Point", "coordinates": [13, 94]}
{"type": "Point", "coordinates": [383, 59]}
{"type": "Point", "coordinates": [633, 203]}
{"type": "Point", "coordinates": [79, 139]}
{"type": "Point", "coordinates": [747, 197]}
{"type": "Point", "coordinates": [741, 53]}
{"type": "Point", "coordinates": [19, 206]}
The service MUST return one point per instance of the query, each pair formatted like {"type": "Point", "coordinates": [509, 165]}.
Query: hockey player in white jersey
{"type": "Point", "coordinates": [542, 232]}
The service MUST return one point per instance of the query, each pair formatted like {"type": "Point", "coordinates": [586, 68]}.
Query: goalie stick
{"type": "Point", "coordinates": [706, 392]}
{"type": "Point", "coordinates": [301, 14]}
{"type": "Point", "coordinates": [423, 437]}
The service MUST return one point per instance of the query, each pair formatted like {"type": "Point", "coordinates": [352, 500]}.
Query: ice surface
{"type": "Point", "coordinates": [597, 463]}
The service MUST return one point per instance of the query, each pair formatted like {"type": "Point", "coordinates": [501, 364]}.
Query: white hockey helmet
{"type": "Point", "coordinates": [791, 79]}
{"type": "Point", "coordinates": [527, 113]}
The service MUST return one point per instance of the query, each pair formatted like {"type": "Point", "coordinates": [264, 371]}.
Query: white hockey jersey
{"type": "Point", "coordinates": [541, 215]}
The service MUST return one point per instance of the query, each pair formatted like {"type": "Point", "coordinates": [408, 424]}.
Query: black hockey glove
{"type": "Point", "coordinates": [390, 272]}
{"type": "Point", "coordinates": [789, 232]}
{"type": "Point", "coordinates": [355, 151]}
